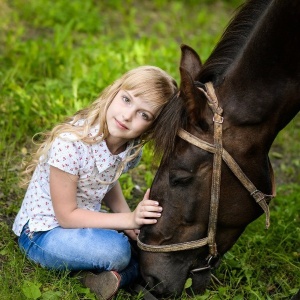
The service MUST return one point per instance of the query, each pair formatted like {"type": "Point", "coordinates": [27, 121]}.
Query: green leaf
{"type": "Point", "coordinates": [188, 283]}
{"type": "Point", "coordinates": [50, 295]}
{"type": "Point", "coordinates": [31, 290]}
{"type": "Point", "coordinates": [238, 297]}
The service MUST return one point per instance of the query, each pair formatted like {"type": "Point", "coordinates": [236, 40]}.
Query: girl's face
{"type": "Point", "coordinates": [128, 116]}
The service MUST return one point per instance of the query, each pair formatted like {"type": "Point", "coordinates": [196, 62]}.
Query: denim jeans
{"type": "Point", "coordinates": [81, 249]}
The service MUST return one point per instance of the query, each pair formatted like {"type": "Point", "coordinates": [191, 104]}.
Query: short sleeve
{"type": "Point", "coordinates": [66, 155]}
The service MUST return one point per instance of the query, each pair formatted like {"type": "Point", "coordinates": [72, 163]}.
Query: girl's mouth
{"type": "Point", "coordinates": [121, 125]}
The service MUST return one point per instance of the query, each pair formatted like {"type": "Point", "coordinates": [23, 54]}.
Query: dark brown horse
{"type": "Point", "coordinates": [215, 177]}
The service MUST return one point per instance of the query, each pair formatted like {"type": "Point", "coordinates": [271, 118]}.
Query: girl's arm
{"type": "Point", "coordinates": [115, 200]}
{"type": "Point", "coordinates": [63, 189]}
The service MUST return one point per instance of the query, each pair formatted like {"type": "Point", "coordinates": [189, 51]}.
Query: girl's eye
{"type": "Point", "coordinates": [145, 116]}
{"type": "Point", "coordinates": [125, 99]}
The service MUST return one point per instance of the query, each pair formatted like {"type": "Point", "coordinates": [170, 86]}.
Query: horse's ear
{"type": "Point", "coordinates": [190, 61]}
{"type": "Point", "coordinates": [193, 98]}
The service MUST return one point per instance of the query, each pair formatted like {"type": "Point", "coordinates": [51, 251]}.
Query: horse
{"type": "Point", "coordinates": [215, 176]}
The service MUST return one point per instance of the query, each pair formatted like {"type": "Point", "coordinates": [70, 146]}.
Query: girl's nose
{"type": "Point", "coordinates": [127, 115]}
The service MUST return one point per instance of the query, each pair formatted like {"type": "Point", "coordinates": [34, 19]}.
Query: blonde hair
{"type": "Point", "coordinates": [152, 83]}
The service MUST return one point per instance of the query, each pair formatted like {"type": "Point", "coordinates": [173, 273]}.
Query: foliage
{"type": "Point", "coordinates": [55, 57]}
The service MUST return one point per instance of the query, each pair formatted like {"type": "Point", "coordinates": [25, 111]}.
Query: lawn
{"type": "Point", "coordinates": [55, 58]}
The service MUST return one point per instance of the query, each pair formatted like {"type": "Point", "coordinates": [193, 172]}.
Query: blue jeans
{"type": "Point", "coordinates": [92, 249]}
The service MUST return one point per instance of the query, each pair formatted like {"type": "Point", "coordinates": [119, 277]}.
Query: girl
{"type": "Point", "coordinates": [60, 224]}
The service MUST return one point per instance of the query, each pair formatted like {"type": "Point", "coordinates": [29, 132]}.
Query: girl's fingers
{"type": "Point", "coordinates": [147, 215]}
{"type": "Point", "coordinates": [149, 221]}
{"type": "Point", "coordinates": [151, 208]}
{"type": "Point", "coordinates": [152, 214]}
{"type": "Point", "coordinates": [149, 203]}
{"type": "Point", "coordinates": [148, 211]}
{"type": "Point", "coordinates": [147, 194]}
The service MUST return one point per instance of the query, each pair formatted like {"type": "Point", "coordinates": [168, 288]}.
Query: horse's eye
{"type": "Point", "coordinates": [180, 181]}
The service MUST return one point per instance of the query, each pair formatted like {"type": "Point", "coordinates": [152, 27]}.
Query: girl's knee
{"type": "Point", "coordinates": [120, 253]}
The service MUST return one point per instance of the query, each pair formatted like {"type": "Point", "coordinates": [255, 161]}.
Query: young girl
{"type": "Point", "coordinates": [60, 224]}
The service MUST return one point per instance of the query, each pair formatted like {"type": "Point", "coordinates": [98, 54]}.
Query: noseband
{"type": "Point", "coordinates": [219, 154]}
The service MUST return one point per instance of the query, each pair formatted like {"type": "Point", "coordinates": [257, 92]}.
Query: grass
{"type": "Point", "coordinates": [55, 58]}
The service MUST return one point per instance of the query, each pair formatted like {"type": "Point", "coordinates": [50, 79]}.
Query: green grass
{"type": "Point", "coordinates": [55, 58]}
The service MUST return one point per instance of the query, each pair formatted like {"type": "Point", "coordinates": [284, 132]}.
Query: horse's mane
{"type": "Point", "coordinates": [234, 38]}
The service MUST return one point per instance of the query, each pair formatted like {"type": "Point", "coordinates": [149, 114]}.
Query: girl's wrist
{"type": "Point", "coordinates": [134, 225]}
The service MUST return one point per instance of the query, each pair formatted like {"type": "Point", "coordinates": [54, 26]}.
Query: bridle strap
{"type": "Point", "coordinates": [218, 150]}
{"type": "Point", "coordinates": [173, 247]}
{"type": "Point", "coordinates": [259, 197]}
{"type": "Point", "coordinates": [219, 154]}
{"type": "Point", "coordinates": [217, 162]}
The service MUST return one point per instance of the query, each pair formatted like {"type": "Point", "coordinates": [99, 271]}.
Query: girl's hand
{"type": "Point", "coordinates": [147, 211]}
{"type": "Point", "coordinates": [132, 233]}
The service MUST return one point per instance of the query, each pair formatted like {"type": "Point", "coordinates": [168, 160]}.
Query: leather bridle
{"type": "Point", "coordinates": [219, 154]}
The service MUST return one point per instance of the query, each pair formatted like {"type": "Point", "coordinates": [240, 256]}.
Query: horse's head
{"type": "Point", "coordinates": [184, 187]}
{"type": "Point", "coordinates": [215, 176]}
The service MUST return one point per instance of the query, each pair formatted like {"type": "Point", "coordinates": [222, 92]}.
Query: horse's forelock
{"type": "Point", "coordinates": [172, 117]}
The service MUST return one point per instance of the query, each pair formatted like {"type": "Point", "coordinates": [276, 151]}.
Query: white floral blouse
{"type": "Point", "coordinates": [94, 164]}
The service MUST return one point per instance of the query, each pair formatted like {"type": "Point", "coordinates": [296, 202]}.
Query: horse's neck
{"type": "Point", "coordinates": [265, 77]}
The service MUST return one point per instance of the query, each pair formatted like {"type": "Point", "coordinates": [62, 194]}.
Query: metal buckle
{"type": "Point", "coordinates": [218, 121]}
